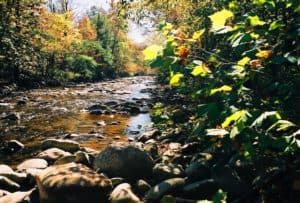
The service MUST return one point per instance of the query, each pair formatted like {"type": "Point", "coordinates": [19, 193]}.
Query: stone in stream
{"type": "Point", "coordinates": [7, 184]}
{"type": "Point", "coordinates": [124, 160]}
{"type": "Point", "coordinates": [142, 186]}
{"type": "Point", "coordinates": [66, 145]}
{"type": "Point", "coordinates": [18, 197]}
{"type": "Point", "coordinates": [32, 164]}
{"type": "Point", "coordinates": [72, 183]}
{"type": "Point", "coordinates": [148, 135]}
{"type": "Point", "coordinates": [164, 188]}
{"type": "Point", "coordinates": [204, 189]}
{"type": "Point", "coordinates": [4, 193]}
{"type": "Point", "coordinates": [163, 171]}
{"type": "Point", "coordinates": [53, 154]}
{"type": "Point", "coordinates": [7, 172]}
{"type": "Point", "coordinates": [123, 193]}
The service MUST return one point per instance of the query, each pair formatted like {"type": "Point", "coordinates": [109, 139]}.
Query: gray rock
{"type": "Point", "coordinates": [7, 184]}
{"type": "Point", "coordinates": [166, 171]}
{"type": "Point", "coordinates": [52, 154]}
{"type": "Point", "coordinates": [83, 158]}
{"type": "Point", "coordinates": [204, 189]}
{"type": "Point", "coordinates": [72, 183]}
{"type": "Point", "coordinates": [148, 135]}
{"type": "Point", "coordinates": [124, 160]}
{"type": "Point", "coordinates": [32, 164]}
{"type": "Point", "coordinates": [17, 197]}
{"type": "Point", "coordinates": [198, 170]}
{"type": "Point", "coordinates": [164, 188]}
{"type": "Point", "coordinates": [66, 145]}
{"type": "Point", "coordinates": [123, 194]}
{"type": "Point", "coordinates": [152, 149]}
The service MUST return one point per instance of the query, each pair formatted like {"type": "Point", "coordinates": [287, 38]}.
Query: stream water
{"type": "Point", "coordinates": [33, 116]}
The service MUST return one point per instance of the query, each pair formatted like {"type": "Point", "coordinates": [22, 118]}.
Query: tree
{"type": "Point", "coordinates": [86, 29]}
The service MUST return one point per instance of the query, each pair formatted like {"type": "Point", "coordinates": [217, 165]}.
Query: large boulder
{"type": "Point", "coordinates": [66, 145]}
{"type": "Point", "coordinates": [123, 193]}
{"type": "Point", "coordinates": [124, 160]}
{"type": "Point", "coordinates": [72, 183]}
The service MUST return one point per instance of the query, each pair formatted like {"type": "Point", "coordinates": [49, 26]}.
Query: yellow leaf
{"type": "Point", "coordinates": [201, 70]}
{"type": "Point", "coordinates": [151, 52]}
{"type": "Point", "coordinates": [198, 34]}
{"type": "Point", "coordinates": [224, 88]}
{"type": "Point", "coordinates": [264, 54]}
{"type": "Point", "coordinates": [241, 63]}
{"type": "Point", "coordinates": [234, 117]}
{"type": "Point", "coordinates": [219, 18]}
{"type": "Point", "coordinates": [253, 35]}
{"type": "Point", "coordinates": [255, 21]}
{"type": "Point", "coordinates": [175, 79]}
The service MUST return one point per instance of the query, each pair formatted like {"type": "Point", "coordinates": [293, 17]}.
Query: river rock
{"type": "Point", "coordinates": [142, 186]}
{"type": "Point", "coordinates": [163, 171]}
{"type": "Point", "coordinates": [164, 188]}
{"type": "Point", "coordinates": [4, 193]}
{"type": "Point", "coordinates": [52, 154]}
{"type": "Point", "coordinates": [7, 184]}
{"type": "Point", "coordinates": [72, 183]}
{"type": "Point", "coordinates": [83, 158]}
{"type": "Point", "coordinates": [17, 197]}
{"type": "Point", "coordinates": [197, 170]}
{"type": "Point", "coordinates": [123, 193]}
{"type": "Point", "coordinates": [152, 134]}
{"type": "Point", "coordinates": [65, 160]}
{"type": "Point", "coordinates": [204, 189]}
{"type": "Point", "coordinates": [32, 164]}
{"type": "Point", "coordinates": [124, 160]}
{"type": "Point", "coordinates": [66, 145]}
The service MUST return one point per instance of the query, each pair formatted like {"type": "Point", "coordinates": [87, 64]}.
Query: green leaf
{"type": "Point", "coordinates": [175, 79]}
{"type": "Point", "coordinates": [224, 88]}
{"type": "Point", "coordinates": [220, 197]}
{"type": "Point", "coordinates": [151, 52]}
{"type": "Point", "coordinates": [255, 21]}
{"type": "Point", "coordinates": [264, 116]}
{"type": "Point", "coordinates": [234, 117]}
{"type": "Point", "coordinates": [281, 125]}
{"type": "Point", "coordinates": [219, 18]}
{"type": "Point", "coordinates": [275, 25]}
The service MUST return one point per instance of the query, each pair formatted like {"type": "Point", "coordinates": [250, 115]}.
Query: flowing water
{"type": "Point", "coordinates": [61, 112]}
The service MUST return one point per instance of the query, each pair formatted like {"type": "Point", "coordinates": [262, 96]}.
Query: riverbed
{"type": "Point", "coordinates": [35, 115]}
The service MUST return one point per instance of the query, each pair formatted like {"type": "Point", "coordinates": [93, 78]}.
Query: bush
{"type": "Point", "coordinates": [85, 66]}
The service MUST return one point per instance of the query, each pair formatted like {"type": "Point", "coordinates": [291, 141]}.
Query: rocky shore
{"type": "Point", "coordinates": [163, 164]}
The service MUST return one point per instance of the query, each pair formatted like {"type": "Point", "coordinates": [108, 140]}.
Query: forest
{"type": "Point", "coordinates": [204, 110]}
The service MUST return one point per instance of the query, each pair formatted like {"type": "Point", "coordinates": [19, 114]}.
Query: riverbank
{"type": "Point", "coordinates": [165, 163]}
